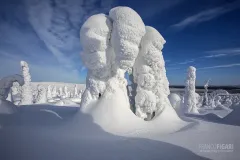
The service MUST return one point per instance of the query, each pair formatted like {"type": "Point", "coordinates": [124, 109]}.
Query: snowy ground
{"type": "Point", "coordinates": [34, 135]}
{"type": "Point", "coordinates": [111, 132]}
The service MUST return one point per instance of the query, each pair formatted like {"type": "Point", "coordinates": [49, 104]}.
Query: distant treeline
{"type": "Point", "coordinates": [210, 87]}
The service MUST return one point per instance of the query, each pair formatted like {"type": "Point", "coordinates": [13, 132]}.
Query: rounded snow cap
{"type": "Point", "coordinates": [191, 69]}
{"type": "Point", "coordinates": [95, 33]}
{"type": "Point", "coordinates": [153, 36]}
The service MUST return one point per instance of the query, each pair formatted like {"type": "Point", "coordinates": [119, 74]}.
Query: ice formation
{"type": "Point", "coordinates": [27, 96]}
{"type": "Point", "coordinates": [190, 95]}
{"type": "Point", "coordinates": [115, 44]}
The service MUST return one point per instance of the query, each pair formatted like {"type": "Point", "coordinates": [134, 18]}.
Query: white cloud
{"type": "Point", "coordinates": [57, 24]}
{"type": "Point", "coordinates": [221, 66]}
{"type": "Point", "coordinates": [223, 53]}
{"type": "Point", "coordinates": [206, 15]}
{"type": "Point", "coordinates": [183, 63]}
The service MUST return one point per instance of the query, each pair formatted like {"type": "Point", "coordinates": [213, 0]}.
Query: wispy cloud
{"type": "Point", "coordinates": [221, 66]}
{"type": "Point", "coordinates": [206, 15]}
{"type": "Point", "coordinates": [57, 24]}
{"type": "Point", "coordinates": [222, 53]}
{"type": "Point", "coordinates": [169, 69]}
{"type": "Point", "coordinates": [183, 63]}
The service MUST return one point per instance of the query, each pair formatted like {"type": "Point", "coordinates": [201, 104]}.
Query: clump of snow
{"type": "Point", "coordinates": [27, 95]}
{"type": "Point", "coordinates": [190, 96]}
{"type": "Point", "coordinates": [128, 30]}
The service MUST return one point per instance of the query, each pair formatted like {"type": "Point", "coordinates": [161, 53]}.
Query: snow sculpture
{"type": "Point", "coordinates": [54, 92]}
{"type": "Point", "coordinates": [42, 95]}
{"type": "Point", "coordinates": [190, 96]}
{"type": "Point", "coordinates": [27, 96]}
{"type": "Point", "coordinates": [49, 92]}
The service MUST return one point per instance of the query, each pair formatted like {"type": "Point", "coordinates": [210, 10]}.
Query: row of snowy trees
{"type": "Point", "coordinates": [24, 95]}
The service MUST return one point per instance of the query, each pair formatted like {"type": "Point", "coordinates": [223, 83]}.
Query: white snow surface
{"type": "Point", "coordinates": [113, 114]}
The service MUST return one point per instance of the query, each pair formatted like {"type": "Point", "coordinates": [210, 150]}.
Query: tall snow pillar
{"type": "Point", "coordinates": [190, 96]}
{"type": "Point", "coordinates": [27, 96]}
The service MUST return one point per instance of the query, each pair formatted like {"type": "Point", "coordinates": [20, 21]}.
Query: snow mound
{"type": "Point", "coordinates": [175, 101]}
{"type": "Point", "coordinates": [113, 114]}
{"type": "Point", "coordinates": [66, 102]}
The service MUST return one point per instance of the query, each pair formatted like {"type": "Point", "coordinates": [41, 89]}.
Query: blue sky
{"type": "Point", "coordinates": [45, 33]}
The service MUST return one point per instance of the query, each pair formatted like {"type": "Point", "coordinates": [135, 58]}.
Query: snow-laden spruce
{"type": "Point", "coordinates": [190, 95]}
{"type": "Point", "coordinates": [54, 92]}
{"type": "Point", "coordinates": [42, 95]}
{"type": "Point", "coordinates": [27, 95]}
{"type": "Point", "coordinates": [97, 55]}
{"type": "Point", "coordinates": [150, 74]}
{"type": "Point", "coordinates": [49, 92]}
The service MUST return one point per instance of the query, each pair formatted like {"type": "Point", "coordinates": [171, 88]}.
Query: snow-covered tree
{"type": "Point", "coordinates": [65, 91]}
{"type": "Point", "coordinates": [149, 68]}
{"type": "Point", "coordinates": [27, 95]}
{"type": "Point", "coordinates": [110, 46]}
{"type": "Point", "coordinates": [42, 95]}
{"type": "Point", "coordinates": [76, 91]}
{"type": "Point", "coordinates": [205, 101]}
{"type": "Point", "coordinates": [54, 92]}
{"type": "Point", "coordinates": [190, 96]}
{"type": "Point", "coordinates": [60, 92]}
{"type": "Point", "coordinates": [49, 92]}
